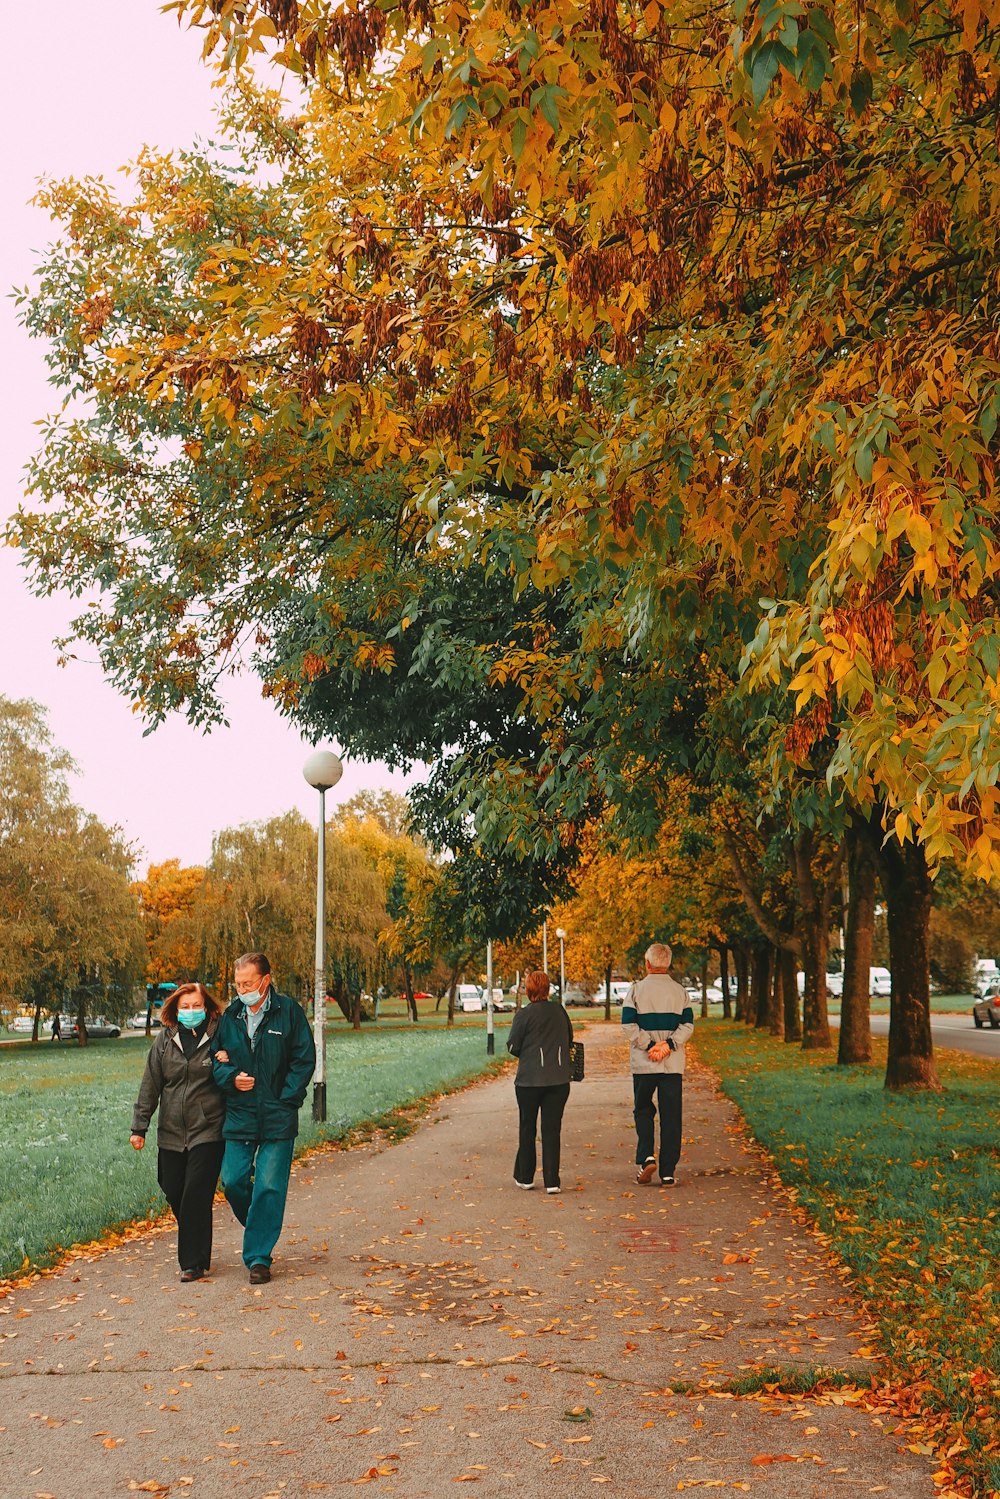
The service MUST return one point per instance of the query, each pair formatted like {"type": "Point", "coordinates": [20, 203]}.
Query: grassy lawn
{"type": "Point", "coordinates": [68, 1173]}
{"type": "Point", "coordinates": [906, 1188]}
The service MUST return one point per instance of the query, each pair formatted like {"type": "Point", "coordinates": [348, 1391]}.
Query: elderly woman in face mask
{"type": "Point", "coordinates": [179, 1081]}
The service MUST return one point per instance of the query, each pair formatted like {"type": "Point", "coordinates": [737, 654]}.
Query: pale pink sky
{"type": "Point", "coordinates": [86, 86]}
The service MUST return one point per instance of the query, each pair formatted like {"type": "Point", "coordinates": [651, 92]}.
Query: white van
{"type": "Point", "coordinates": [619, 989]}
{"type": "Point", "coordinates": [984, 972]}
{"type": "Point", "coordinates": [468, 998]}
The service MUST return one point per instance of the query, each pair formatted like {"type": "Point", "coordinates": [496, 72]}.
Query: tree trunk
{"type": "Point", "coordinates": [607, 991]}
{"type": "Point", "coordinates": [81, 1024]}
{"type": "Point", "coordinates": [727, 1003]}
{"type": "Point", "coordinates": [757, 1012]}
{"type": "Point", "coordinates": [451, 994]}
{"type": "Point", "coordinates": [776, 1013]}
{"type": "Point", "coordinates": [791, 1012]}
{"type": "Point", "coordinates": [704, 988]}
{"type": "Point", "coordinates": [343, 1004]}
{"type": "Point", "coordinates": [37, 1021]}
{"type": "Point", "coordinates": [855, 1007]}
{"type": "Point", "coordinates": [908, 892]}
{"type": "Point", "coordinates": [742, 983]}
{"type": "Point", "coordinates": [356, 1010]}
{"type": "Point", "coordinates": [411, 1003]}
{"type": "Point", "coordinates": [814, 936]}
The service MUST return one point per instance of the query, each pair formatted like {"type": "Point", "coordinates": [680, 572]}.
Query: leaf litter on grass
{"type": "Point", "coordinates": [903, 1189]}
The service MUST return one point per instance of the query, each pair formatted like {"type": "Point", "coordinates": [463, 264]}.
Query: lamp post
{"type": "Point", "coordinates": [490, 1039]}
{"type": "Point", "coordinates": [322, 770]}
{"type": "Point", "coordinates": [562, 964]}
{"type": "Point", "coordinates": [545, 946]}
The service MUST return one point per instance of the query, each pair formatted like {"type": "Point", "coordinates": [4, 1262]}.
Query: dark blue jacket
{"type": "Point", "coordinates": [281, 1062]}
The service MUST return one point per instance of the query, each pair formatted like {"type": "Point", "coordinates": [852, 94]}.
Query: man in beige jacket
{"type": "Point", "coordinates": [658, 1021]}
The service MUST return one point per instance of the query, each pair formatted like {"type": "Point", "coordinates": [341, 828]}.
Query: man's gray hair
{"type": "Point", "coordinates": [658, 955]}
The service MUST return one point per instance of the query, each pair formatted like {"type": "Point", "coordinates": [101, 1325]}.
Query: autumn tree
{"type": "Point", "coordinates": [636, 309]}
{"type": "Point", "coordinates": [170, 896]}
{"type": "Point", "coordinates": [69, 922]}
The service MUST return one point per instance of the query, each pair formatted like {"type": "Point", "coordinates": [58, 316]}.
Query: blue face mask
{"type": "Point", "coordinates": [191, 1018]}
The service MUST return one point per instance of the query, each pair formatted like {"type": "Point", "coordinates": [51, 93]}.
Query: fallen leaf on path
{"type": "Point", "coordinates": [763, 1458]}
{"type": "Point", "coordinates": [149, 1487]}
{"type": "Point", "coordinates": [579, 1413]}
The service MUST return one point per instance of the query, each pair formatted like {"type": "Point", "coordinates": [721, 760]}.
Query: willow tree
{"type": "Point", "coordinates": [260, 895]}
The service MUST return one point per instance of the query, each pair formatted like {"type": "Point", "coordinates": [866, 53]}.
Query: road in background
{"type": "Point", "coordinates": [955, 1032]}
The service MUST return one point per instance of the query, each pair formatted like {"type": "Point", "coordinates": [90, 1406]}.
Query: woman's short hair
{"type": "Point", "coordinates": [537, 986]}
{"type": "Point", "coordinates": [168, 1014]}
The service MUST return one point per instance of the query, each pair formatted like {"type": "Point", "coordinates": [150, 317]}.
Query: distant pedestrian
{"type": "Point", "coordinates": [179, 1080]}
{"type": "Point", "coordinates": [540, 1037]}
{"type": "Point", "coordinates": [658, 1022]}
{"type": "Point", "coordinates": [57, 1027]}
{"type": "Point", "coordinates": [264, 1058]}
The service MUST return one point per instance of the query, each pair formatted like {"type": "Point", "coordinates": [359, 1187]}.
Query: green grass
{"type": "Point", "coordinates": [905, 1185]}
{"type": "Point", "coordinates": [68, 1173]}
{"type": "Point", "coordinates": [941, 1004]}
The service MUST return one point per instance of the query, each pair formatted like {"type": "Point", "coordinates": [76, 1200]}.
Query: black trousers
{"type": "Point", "coordinates": [550, 1102]}
{"type": "Point", "coordinates": [188, 1179]}
{"type": "Point", "coordinates": [665, 1088]}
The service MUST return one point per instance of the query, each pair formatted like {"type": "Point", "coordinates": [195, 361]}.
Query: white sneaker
{"type": "Point", "coordinates": [525, 1186]}
{"type": "Point", "coordinates": [553, 1191]}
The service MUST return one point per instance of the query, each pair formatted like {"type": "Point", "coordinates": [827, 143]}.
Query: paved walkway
{"type": "Point", "coordinates": [430, 1324]}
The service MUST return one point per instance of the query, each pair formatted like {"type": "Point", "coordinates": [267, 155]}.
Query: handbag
{"type": "Point", "coordinates": [576, 1062]}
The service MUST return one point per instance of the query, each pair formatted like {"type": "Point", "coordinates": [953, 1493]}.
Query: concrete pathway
{"type": "Point", "coordinates": [429, 1324]}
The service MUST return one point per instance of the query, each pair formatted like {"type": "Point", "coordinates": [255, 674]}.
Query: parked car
{"type": "Point", "coordinates": [880, 982]}
{"type": "Point", "coordinates": [619, 989]}
{"type": "Point", "coordinates": [468, 998]}
{"type": "Point", "coordinates": [23, 1025]}
{"type": "Point", "coordinates": [98, 1029]}
{"type": "Point", "coordinates": [986, 1009]}
{"type": "Point", "coordinates": [835, 984]}
{"type": "Point", "coordinates": [138, 1022]}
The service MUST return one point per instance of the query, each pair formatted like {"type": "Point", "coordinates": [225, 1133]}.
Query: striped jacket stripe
{"type": "Point", "coordinates": [656, 1021]}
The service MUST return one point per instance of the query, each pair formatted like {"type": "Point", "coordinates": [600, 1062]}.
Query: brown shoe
{"type": "Point", "coordinates": [260, 1275]}
{"type": "Point", "coordinates": [645, 1173]}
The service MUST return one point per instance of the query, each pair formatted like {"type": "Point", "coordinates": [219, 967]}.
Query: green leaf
{"type": "Point", "coordinates": [863, 463]}
{"type": "Point", "coordinates": [518, 136]}
{"type": "Point", "coordinates": [765, 67]}
{"type": "Point", "coordinates": [900, 39]}
{"type": "Point", "coordinates": [827, 435]}
{"type": "Point", "coordinates": [861, 90]}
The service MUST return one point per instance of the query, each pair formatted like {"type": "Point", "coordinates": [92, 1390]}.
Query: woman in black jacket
{"type": "Point", "coordinates": [179, 1081]}
{"type": "Point", "coordinates": [540, 1038]}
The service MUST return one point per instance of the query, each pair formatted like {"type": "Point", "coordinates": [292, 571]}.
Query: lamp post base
{"type": "Point", "coordinates": [319, 1101]}
{"type": "Point", "coordinates": [490, 1045]}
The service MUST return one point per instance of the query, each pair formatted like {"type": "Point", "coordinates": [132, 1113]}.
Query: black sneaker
{"type": "Point", "coordinates": [646, 1172]}
{"type": "Point", "coordinates": [195, 1273]}
{"type": "Point", "coordinates": [668, 1181]}
{"type": "Point", "coordinates": [260, 1275]}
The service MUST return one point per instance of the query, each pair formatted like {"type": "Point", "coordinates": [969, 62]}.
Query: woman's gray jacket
{"type": "Point", "coordinates": [540, 1038]}
{"type": "Point", "coordinates": [192, 1109]}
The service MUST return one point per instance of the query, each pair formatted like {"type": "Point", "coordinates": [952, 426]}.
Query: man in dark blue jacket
{"type": "Point", "coordinates": [263, 1058]}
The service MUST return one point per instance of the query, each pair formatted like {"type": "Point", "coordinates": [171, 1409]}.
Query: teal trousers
{"type": "Point", "coordinates": [255, 1180]}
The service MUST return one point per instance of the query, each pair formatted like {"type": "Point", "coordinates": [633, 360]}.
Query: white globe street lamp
{"type": "Point", "coordinates": [322, 770]}
{"type": "Point", "coordinates": [560, 933]}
